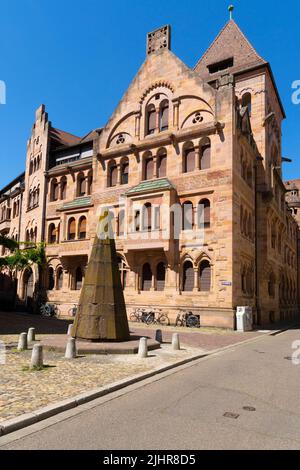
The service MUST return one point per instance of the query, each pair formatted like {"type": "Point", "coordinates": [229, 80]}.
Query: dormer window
{"type": "Point", "coordinates": [222, 65]}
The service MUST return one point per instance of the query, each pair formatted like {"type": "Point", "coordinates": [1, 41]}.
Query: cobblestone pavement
{"type": "Point", "coordinates": [22, 391]}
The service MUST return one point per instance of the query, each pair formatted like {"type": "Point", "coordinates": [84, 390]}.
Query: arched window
{"type": "Point", "coordinates": [31, 168]}
{"type": "Point", "coordinates": [189, 159]}
{"type": "Point", "coordinates": [63, 188]}
{"type": "Point", "coordinates": [82, 228]}
{"type": "Point", "coordinates": [51, 281]}
{"type": "Point", "coordinates": [188, 277]}
{"type": "Point", "coordinates": [205, 154]}
{"type": "Point", "coordinates": [205, 276]}
{"type": "Point", "coordinates": [247, 102]}
{"type": "Point", "coordinates": [121, 222]}
{"type": "Point", "coordinates": [137, 221]}
{"type": "Point", "coordinates": [146, 277]}
{"type": "Point", "coordinates": [147, 217]}
{"type": "Point", "coordinates": [204, 213]}
{"type": "Point", "coordinates": [81, 185]}
{"type": "Point", "coordinates": [150, 119]}
{"type": "Point", "coordinates": [52, 234]}
{"type": "Point", "coordinates": [271, 285]}
{"type": "Point", "coordinates": [149, 168]}
{"type": "Point", "coordinates": [162, 164]}
{"type": "Point", "coordinates": [187, 216]}
{"type": "Point", "coordinates": [78, 279]}
{"type": "Point", "coordinates": [90, 182]}
{"type": "Point", "coordinates": [54, 190]}
{"type": "Point", "coordinates": [72, 229]}
{"type": "Point", "coordinates": [35, 235]}
{"type": "Point", "coordinates": [124, 172]}
{"type": "Point", "coordinates": [112, 175]}
{"type": "Point", "coordinates": [59, 278]}
{"type": "Point", "coordinates": [160, 277]}
{"type": "Point", "coordinates": [164, 115]}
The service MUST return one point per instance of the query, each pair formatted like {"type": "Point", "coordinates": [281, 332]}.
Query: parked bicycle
{"type": "Point", "coordinates": [49, 310]}
{"type": "Point", "coordinates": [149, 316]}
{"type": "Point", "coordinates": [137, 315]}
{"type": "Point", "coordinates": [188, 319]}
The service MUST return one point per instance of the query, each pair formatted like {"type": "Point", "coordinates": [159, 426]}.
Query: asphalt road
{"type": "Point", "coordinates": [185, 410]}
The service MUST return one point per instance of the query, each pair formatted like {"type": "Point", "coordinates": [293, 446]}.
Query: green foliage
{"type": "Point", "coordinates": [21, 259]}
{"type": "Point", "coordinates": [12, 245]}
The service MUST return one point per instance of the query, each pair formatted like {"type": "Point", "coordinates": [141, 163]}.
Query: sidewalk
{"type": "Point", "coordinates": [23, 391]}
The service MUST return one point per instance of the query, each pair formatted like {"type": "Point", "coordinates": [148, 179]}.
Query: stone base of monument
{"type": "Point", "coordinates": [58, 343]}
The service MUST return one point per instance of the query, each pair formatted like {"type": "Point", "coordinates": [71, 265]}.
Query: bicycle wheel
{"type": "Point", "coordinates": [150, 319]}
{"type": "Point", "coordinates": [133, 317]}
{"type": "Point", "coordinates": [192, 321]}
{"type": "Point", "coordinates": [164, 320]}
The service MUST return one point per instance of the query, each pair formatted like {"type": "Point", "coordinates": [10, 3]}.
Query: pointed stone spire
{"type": "Point", "coordinates": [101, 314]}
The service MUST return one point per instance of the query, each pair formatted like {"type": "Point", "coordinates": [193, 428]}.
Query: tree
{"type": "Point", "coordinates": [20, 259]}
{"type": "Point", "coordinates": [8, 243]}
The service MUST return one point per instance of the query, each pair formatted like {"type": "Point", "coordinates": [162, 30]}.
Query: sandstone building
{"type": "Point", "coordinates": [200, 146]}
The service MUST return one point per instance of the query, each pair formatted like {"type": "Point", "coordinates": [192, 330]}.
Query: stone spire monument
{"type": "Point", "coordinates": [101, 314]}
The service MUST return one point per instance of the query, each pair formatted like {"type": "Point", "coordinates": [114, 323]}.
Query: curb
{"type": "Point", "coordinates": [28, 419]}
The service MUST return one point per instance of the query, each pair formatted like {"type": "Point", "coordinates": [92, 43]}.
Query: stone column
{"type": "Point", "coordinates": [119, 175]}
{"type": "Point", "coordinates": [171, 278]}
{"type": "Point", "coordinates": [153, 281]}
{"type": "Point", "coordinates": [155, 167]}
{"type": "Point", "coordinates": [197, 158]}
{"type": "Point", "coordinates": [176, 115]}
{"type": "Point", "coordinates": [196, 280]}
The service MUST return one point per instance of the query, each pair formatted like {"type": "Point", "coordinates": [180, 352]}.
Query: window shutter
{"type": "Point", "coordinates": [206, 213]}
{"type": "Point", "coordinates": [55, 192]}
{"type": "Point", "coordinates": [151, 121]}
{"type": "Point", "coordinates": [63, 189]}
{"type": "Point", "coordinates": [188, 216]}
{"type": "Point", "coordinates": [160, 277]}
{"type": "Point", "coordinates": [205, 157]}
{"type": "Point", "coordinates": [164, 120]}
{"type": "Point", "coordinates": [147, 277]}
{"type": "Point", "coordinates": [147, 217]}
{"type": "Point", "coordinates": [113, 175]}
{"type": "Point", "coordinates": [190, 160]}
{"type": "Point", "coordinates": [125, 170]}
{"type": "Point", "coordinates": [149, 169]}
{"type": "Point", "coordinates": [72, 229]}
{"type": "Point", "coordinates": [205, 276]}
{"type": "Point", "coordinates": [162, 167]}
{"type": "Point", "coordinates": [82, 228]}
{"type": "Point", "coordinates": [188, 277]}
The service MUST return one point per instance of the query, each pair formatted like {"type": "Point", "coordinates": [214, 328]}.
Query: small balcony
{"type": "Point", "coordinates": [5, 224]}
{"type": "Point", "coordinates": [76, 247]}
{"type": "Point", "coordinates": [144, 240]}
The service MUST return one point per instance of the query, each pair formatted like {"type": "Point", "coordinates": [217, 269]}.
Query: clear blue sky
{"type": "Point", "coordinates": [79, 56]}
